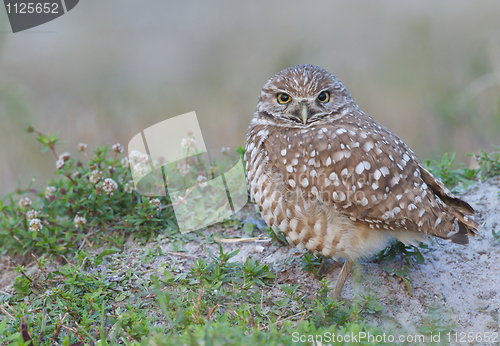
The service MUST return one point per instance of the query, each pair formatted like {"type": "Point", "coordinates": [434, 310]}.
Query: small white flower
{"type": "Point", "coordinates": [79, 220]}
{"type": "Point", "coordinates": [110, 186]}
{"type": "Point", "coordinates": [202, 180]}
{"type": "Point", "coordinates": [125, 162]}
{"type": "Point", "coordinates": [134, 154]}
{"type": "Point", "coordinates": [60, 163]}
{"type": "Point", "coordinates": [49, 191]}
{"type": "Point", "coordinates": [184, 168]}
{"type": "Point", "coordinates": [64, 156]}
{"type": "Point", "coordinates": [82, 146]}
{"type": "Point", "coordinates": [225, 150]}
{"type": "Point", "coordinates": [95, 176]}
{"type": "Point", "coordinates": [129, 187]}
{"type": "Point", "coordinates": [36, 225]}
{"type": "Point", "coordinates": [31, 214]}
{"type": "Point", "coordinates": [181, 200]}
{"type": "Point", "coordinates": [117, 148]}
{"type": "Point", "coordinates": [155, 202]}
{"type": "Point", "coordinates": [189, 142]}
{"type": "Point", "coordinates": [139, 170]}
{"type": "Point", "coordinates": [144, 158]}
{"type": "Point", "coordinates": [24, 202]}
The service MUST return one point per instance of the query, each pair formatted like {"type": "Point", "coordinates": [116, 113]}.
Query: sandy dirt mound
{"type": "Point", "coordinates": [455, 289]}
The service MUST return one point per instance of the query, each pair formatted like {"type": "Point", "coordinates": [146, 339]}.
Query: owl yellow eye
{"type": "Point", "coordinates": [284, 98]}
{"type": "Point", "coordinates": [324, 97]}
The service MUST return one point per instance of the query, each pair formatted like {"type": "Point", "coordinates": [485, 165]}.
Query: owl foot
{"type": "Point", "coordinates": [328, 264]}
{"type": "Point", "coordinates": [344, 273]}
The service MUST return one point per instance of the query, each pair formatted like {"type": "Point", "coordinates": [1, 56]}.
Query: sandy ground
{"type": "Point", "coordinates": [456, 289]}
{"type": "Point", "coordinates": [457, 286]}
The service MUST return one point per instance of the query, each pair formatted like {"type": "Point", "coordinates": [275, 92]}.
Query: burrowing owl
{"type": "Point", "coordinates": [336, 181]}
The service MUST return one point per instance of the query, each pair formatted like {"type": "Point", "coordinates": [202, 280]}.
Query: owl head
{"type": "Point", "coordinates": [304, 94]}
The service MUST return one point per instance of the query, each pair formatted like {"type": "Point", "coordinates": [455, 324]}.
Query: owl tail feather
{"type": "Point", "coordinates": [460, 209]}
{"type": "Point", "coordinates": [466, 227]}
{"type": "Point", "coordinates": [442, 192]}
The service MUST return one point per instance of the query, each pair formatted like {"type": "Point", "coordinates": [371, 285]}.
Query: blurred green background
{"type": "Point", "coordinates": [430, 71]}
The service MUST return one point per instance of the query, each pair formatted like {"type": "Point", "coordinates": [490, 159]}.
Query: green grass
{"type": "Point", "coordinates": [91, 288]}
{"type": "Point", "coordinates": [103, 297]}
{"type": "Point", "coordinates": [458, 177]}
{"type": "Point", "coordinates": [496, 235]}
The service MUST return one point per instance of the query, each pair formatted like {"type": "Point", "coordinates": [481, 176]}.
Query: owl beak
{"type": "Point", "coordinates": [304, 112]}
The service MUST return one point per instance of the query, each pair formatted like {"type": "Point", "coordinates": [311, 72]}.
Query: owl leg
{"type": "Point", "coordinates": [344, 273]}
{"type": "Point", "coordinates": [327, 264]}
{"type": "Point", "coordinates": [322, 264]}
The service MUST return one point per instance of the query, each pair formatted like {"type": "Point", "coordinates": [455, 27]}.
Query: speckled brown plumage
{"type": "Point", "coordinates": [336, 181]}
